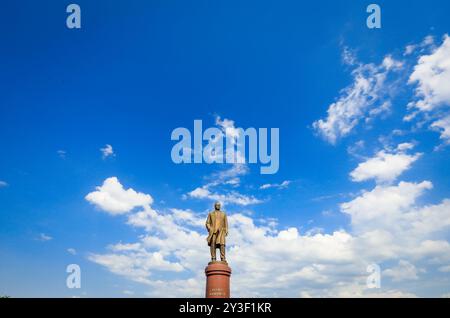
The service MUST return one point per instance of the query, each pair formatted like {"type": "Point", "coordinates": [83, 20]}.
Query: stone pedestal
{"type": "Point", "coordinates": [218, 280]}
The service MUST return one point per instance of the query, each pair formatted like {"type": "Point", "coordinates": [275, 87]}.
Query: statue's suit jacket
{"type": "Point", "coordinates": [217, 223]}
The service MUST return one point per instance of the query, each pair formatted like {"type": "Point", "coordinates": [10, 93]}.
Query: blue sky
{"type": "Point", "coordinates": [364, 132]}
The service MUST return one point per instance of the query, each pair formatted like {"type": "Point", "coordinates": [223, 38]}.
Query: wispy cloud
{"type": "Point", "coordinates": [71, 251]}
{"type": "Point", "coordinates": [111, 197]}
{"type": "Point", "coordinates": [107, 151]}
{"type": "Point", "coordinates": [231, 176]}
{"type": "Point", "coordinates": [366, 98]}
{"type": "Point", "coordinates": [403, 271]}
{"type": "Point", "coordinates": [283, 185]}
{"type": "Point", "coordinates": [221, 185]}
{"type": "Point", "coordinates": [62, 154]}
{"type": "Point", "coordinates": [44, 237]}
{"type": "Point", "coordinates": [228, 197]}
{"type": "Point", "coordinates": [128, 292]}
{"type": "Point", "coordinates": [431, 76]}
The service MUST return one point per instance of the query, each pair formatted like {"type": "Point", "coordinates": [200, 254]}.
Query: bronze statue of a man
{"type": "Point", "coordinates": [217, 226]}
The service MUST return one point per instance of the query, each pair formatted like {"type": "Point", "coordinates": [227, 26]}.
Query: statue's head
{"type": "Point", "coordinates": [217, 206]}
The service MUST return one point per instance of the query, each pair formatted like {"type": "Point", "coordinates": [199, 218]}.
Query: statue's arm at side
{"type": "Point", "coordinates": [208, 222]}
{"type": "Point", "coordinates": [226, 225]}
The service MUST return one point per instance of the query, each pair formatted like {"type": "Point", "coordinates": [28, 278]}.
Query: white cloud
{"type": "Point", "coordinates": [432, 75]}
{"type": "Point", "coordinates": [355, 149]}
{"type": "Point", "coordinates": [445, 269]}
{"type": "Point", "coordinates": [390, 63]}
{"type": "Point", "coordinates": [385, 166]}
{"type": "Point", "coordinates": [391, 224]}
{"type": "Point", "coordinates": [373, 87]}
{"type": "Point", "coordinates": [348, 56]}
{"type": "Point", "coordinates": [365, 98]}
{"type": "Point", "coordinates": [282, 185]}
{"type": "Point", "coordinates": [384, 204]}
{"type": "Point", "coordinates": [3, 184]}
{"type": "Point", "coordinates": [409, 49]}
{"type": "Point", "coordinates": [443, 125]}
{"type": "Point", "coordinates": [111, 197]}
{"type": "Point", "coordinates": [228, 128]}
{"type": "Point", "coordinates": [44, 237]}
{"type": "Point", "coordinates": [136, 265]}
{"type": "Point", "coordinates": [62, 154]}
{"type": "Point", "coordinates": [427, 43]}
{"type": "Point", "coordinates": [229, 197]}
{"type": "Point", "coordinates": [403, 271]}
{"type": "Point", "coordinates": [405, 146]}
{"type": "Point", "coordinates": [187, 217]}
{"type": "Point", "coordinates": [71, 251]}
{"type": "Point", "coordinates": [229, 176]}
{"type": "Point", "coordinates": [107, 151]}
{"type": "Point", "coordinates": [254, 250]}
{"type": "Point", "coordinates": [216, 187]}
{"type": "Point", "coordinates": [387, 224]}
{"type": "Point", "coordinates": [232, 133]}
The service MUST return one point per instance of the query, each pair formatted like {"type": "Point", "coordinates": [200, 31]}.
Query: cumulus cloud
{"type": "Point", "coordinates": [403, 271]}
{"type": "Point", "coordinates": [387, 224]}
{"type": "Point", "coordinates": [384, 204]}
{"type": "Point", "coordinates": [390, 223]}
{"type": "Point", "coordinates": [136, 265]}
{"type": "Point", "coordinates": [386, 165]}
{"type": "Point", "coordinates": [410, 232]}
{"type": "Point", "coordinates": [173, 245]}
{"type": "Point", "coordinates": [432, 75]}
{"type": "Point", "coordinates": [111, 197]}
{"type": "Point", "coordinates": [228, 136]}
{"type": "Point", "coordinates": [367, 97]}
